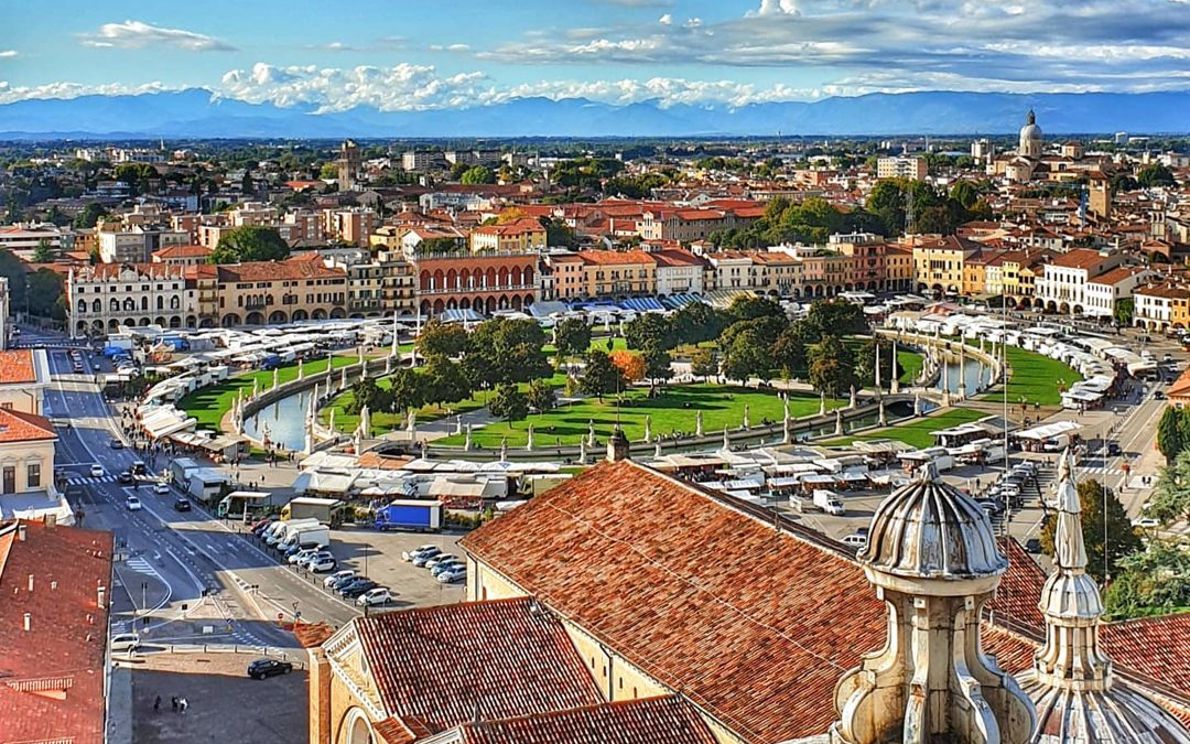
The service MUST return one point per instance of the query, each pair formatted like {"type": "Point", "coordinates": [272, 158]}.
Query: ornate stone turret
{"type": "Point", "coordinates": [1071, 675]}
{"type": "Point", "coordinates": [617, 445]}
{"type": "Point", "coordinates": [932, 557]}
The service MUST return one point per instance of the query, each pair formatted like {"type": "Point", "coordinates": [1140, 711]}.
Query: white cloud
{"type": "Point", "coordinates": [138, 34]}
{"type": "Point", "coordinates": [9, 53]}
{"type": "Point", "coordinates": [668, 19]}
{"type": "Point", "coordinates": [10, 93]}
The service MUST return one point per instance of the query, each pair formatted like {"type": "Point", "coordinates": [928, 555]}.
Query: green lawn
{"type": "Point", "coordinates": [1035, 379]}
{"type": "Point", "coordinates": [919, 432]}
{"type": "Point", "coordinates": [209, 404]}
{"type": "Point", "coordinates": [911, 363]}
{"type": "Point", "coordinates": [383, 421]}
{"type": "Point", "coordinates": [673, 411]}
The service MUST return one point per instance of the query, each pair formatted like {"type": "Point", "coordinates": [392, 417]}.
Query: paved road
{"type": "Point", "coordinates": [172, 557]}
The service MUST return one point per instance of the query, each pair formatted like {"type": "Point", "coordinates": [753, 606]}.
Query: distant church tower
{"type": "Point", "coordinates": [349, 165]}
{"type": "Point", "coordinates": [1031, 142]}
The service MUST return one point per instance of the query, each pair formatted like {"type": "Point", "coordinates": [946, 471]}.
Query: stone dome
{"type": "Point", "coordinates": [929, 530]}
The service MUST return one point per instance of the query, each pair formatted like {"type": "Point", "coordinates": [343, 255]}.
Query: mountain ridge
{"type": "Point", "coordinates": [200, 113]}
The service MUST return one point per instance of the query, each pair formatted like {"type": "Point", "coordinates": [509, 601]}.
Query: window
{"type": "Point", "coordinates": [10, 479]}
{"type": "Point", "coordinates": [33, 475]}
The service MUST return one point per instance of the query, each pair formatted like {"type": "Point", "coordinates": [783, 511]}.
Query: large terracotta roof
{"type": "Point", "coordinates": [1079, 258]}
{"type": "Point", "coordinates": [18, 426]}
{"type": "Point", "coordinates": [659, 720]}
{"type": "Point", "coordinates": [294, 268]}
{"type": "Point", "coordinates": [17, 367]}
{"type": "Point", "coordinates": [442, 666]}
{"type": "Point", "coordinates": [753, 625]}
{"type": "Point", "coordinates": [63, 650]}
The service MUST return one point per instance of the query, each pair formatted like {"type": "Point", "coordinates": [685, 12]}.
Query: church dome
{"type": "Point", "coordinates": [930, 530]}
{"type": "Point", "coordinates": [1031, 131]}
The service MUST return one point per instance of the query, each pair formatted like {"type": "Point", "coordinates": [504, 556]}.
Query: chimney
{"type": "Point", "coordinates": [28, 622]}
{"type": "Point", "coordinates": [21, 530]}
{"type": "Point", "coordinates": [51, 520]}
{"type": "Point", "coordinates": [53, 585]}
{"type": "Point", "coordinates": [30, 582]}
{"type": "Point", "coordinates": [617, 446]}
{"type": "Point", "coordinates": [100, 596]}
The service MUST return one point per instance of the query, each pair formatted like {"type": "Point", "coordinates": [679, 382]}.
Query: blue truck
{"type": "Point", "coordinates": [420, 515]}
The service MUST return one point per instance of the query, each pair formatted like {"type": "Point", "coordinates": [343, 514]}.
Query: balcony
{"type": "Point", "coordinates": [480, 288]}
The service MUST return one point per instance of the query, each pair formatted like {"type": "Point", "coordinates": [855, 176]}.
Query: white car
{"type": "Point", "coordinates": [338, 575]}
{"type": "Point", "coordinates": [378, 596]}
{"type": "Point", "coordinates": [161, 488]}
{"type": "Point", "coordinates": [1146, 523]}
{"type": "Point", "coordinates": [97, 471]}
{"type": "Point", "coordinates": [125, 642]}
{"type": "Point", "coordinates": [410, 555]}
{"type": "Point", "coordinates": [133, 503]}
{"type": "Point", "coordinates": [322, 564]}
{"type": "Point", "coordinates": [855, 541]}
{"type": "Point", "coordinates": [453, 576]}
{"type": "Point", "coordinates": [318, 555]}
{"type": "Point", "coordinates": [439, 560]}
{"type": "Point", "coordinates": [303, 554]}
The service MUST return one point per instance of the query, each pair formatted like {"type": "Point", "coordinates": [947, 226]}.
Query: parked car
{"type": "Point", "coordinates": [376, 596]}
{"type": "Point", "coordinates": [133, 503]}
{"type": "Point", "coordinates": [116, 444]}
{"type": "Point", "coordinates": [340, 583]}
{"type": "Point", "coordinates": [97, 471]}
{"type": "Point", "coordinates": [855, 541]}
{"type": "Point", "coordinates": [262, 525]}
{"type": "Point", "coordinates": [125, 642]}
{"type": "Point", "coordinates": [421, 559]}
{"type": "Point", "coordinates": [441, 568]}
{"type": "Point", "coordinates": [356, 588]}
{"type": "Point", "coordinates": [1113, 449]}
{"type": "Point", "coordinates": [1146, 523]}
{"type": "Point", "coordinates": [346, 573]}
{"type": "Point", "coordinates": [440, 558]}
{"type": "Point", "coordinates": [161, 488]}
{"type": "Point", "coordinates": [182, 504]}
{"type": "Point", "coordinates": [262, 668]}
{"type": "Point", "coordinates": [317, 555]}
{"type": "Point", "coordinates": [301, 553]}
{"type": "Point", "coordinates": [323, 564]}
{"type": "Point", "coordinates": [409, 555]}
{"type": "Point", "coordinates": [453, 576]}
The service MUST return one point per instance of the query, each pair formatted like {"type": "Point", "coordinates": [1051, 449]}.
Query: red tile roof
{"type": "Point", "coordinates": [682, 598]}
{"type": "Point", "coordinates": [17, 367]}
{"type": "Point", "coordinates": [1079, 258]}
{"type": "Point", "coordinates": [294, 268]}
{"type": "Point", "coordinates": [659, 720]}
{"type": "Point", "coordinates": [441, 666]}
{"type": "Point", "coordinates": [1156, 649]}
{"type": "Point", "coordinates": [18, 426]}
{"type": "Point", "coordinates": [183, 251]}
{"type": "Point", "coordinates": [63, 650]}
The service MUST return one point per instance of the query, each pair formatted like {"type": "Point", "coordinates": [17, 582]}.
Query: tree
{"type": "Point", "coordinates": [1169, 433]}
{"type": "Point", "coordinates": [43, 253]}
{"type": "Point", "coordinates": [509, 403]}
{"type": "Point", "coordinates": [1171, 497]}
{"type": "Point", "coordinates": [478, 175]}
{"type": "Point", "coordinates": [1122, 539]}
{"type": "Point", "coordinates": [13, 269]}
{"type": "Point", "coordinates": [406, 390]}
{"type": "Point", "coordinates": [89, 216]}
{"type": "Point", "coordinates": [44, 290]}
{"type": "Point", "coordinates": [703, 363]}
{"type": "Point", "coordinates": [1152, 582]}
{"type": "Point", "coordinates": [328, 171]}
{"type": "Point", "coordinates": [747, 356]}
{"type": "Point", "coordinates": [572, 337]}
{"type": "Point", "coordinates": [1123, 310]}
{"type": "Point", "coordinates": [650, 329]}
{"type": "Point", "coordinates": [789, 350]}
{"type": "Point", "coordinates": [558, 234]}
{"type": "Point", "coordinates": [438, 339]}
{"type": "Point", "coordinates": [834, 317]}
{"type": "Point", "coordinates": [513, 348]}
{"type": "Point", "coordinates": [250, 243]}
{"type": "Point", "coordinates": [444, 382]}
{"type": "Point", "coordinates": [541, 396]}
{"type": "Point", "coordinates": [697, 322]}
{"type": "Point", "coordinates": [747, 307]}
{"type": "Point", "coordinates": [365, 392]}
{"type": "Point", "coordinates": [630, 364]}
{"type": "Point", "coordinates": [657, 365]}
{"type": "Point", "coordinates": [600, 377]}
{"type": "Point", "coordinates": [1156, 174]}
{"type": "Point", "coordinates": [831, 367]}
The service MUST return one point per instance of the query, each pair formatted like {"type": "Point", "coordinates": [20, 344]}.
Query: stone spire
{"type": "Point", "coordinates": [617, 445]}
{"type": "Point", "coordinates": [1071, 683]}
{"type": "Point", "coordinates": [933, 559]}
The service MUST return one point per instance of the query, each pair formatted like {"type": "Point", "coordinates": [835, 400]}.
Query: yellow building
{"type": "Point", "coordinates": [518, 236]}
{"type": "Point", "coordinates": [938, 263]}
{"type": "Point", "coordinates": [274, 292]}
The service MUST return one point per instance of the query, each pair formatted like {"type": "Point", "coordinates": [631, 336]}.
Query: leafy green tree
{"type": "Point", "coordinates": [1122, 539]}
{"type": "Point", "coordinates": [1171, 497]}
{"type": "Point", "coordinates": [832, 369]}
{"type": "Point", "coordinates": [697, 322]}
{"type": "Point", "coordinates": [747, 307]}
{"type": "Point", "coordinates": [558, 234]}
{"type": "Point", "coordinates": [13, 269]}
{"type": "Point", "coordinates": [509, 403]}
{"type": "Point", "coordinates": [766, 329]}
{"type": "Point", "coordinates": [789, 350]}
{"type": "Point", "coordinates": [478, 175]}
{"type": "Point", "coordinates": [406, 390]}
{"type": "Point", "coordinates": [703, 363]}
{"type": "Point", "coordinates": [650, 330]}
{"type": "Point", "coordinates": [444, 382]}
{"type": "Point", "coordinates": [541, 396]}
{"type": "Point", "coordinates": [1156, 174]}
{"type": "Point", "coordinates": [43, 253]}
{"type": "Point", "coordinates": [1153, 581]}
{"type": "Point", "coordinates": [328, 171]}
{"type": "Point", "coordinates": [250, 243]}
{"type": "Point", "coordinates": [572, 337]}
{"type": "Point", "coordinates": [834, 317]}
{"type": "Point", "coordinates": [366, 393]}
{"type": "Point", "coordinates": [657, 365]}
{"type": "Point", "coordinates": [513, 348]}
{"type": "Point", "coordinates": [438, 339]}
{"type": "Point", "coordinates": [1123, 311]}
{"type": "Point", "coordinates": [600, 377]}
{"type": "Point", "coordinates": [45, 294]}
{"type": "Point", "coordinates": [1169, 433]}
{"type": "Point", "coordinates": [89, 216]}
{"type": "Point", "coordinates": [747, 356]}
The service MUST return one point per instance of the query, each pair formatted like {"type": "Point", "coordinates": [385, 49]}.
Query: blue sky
{"type": "Point", "coordinates": [397, 54]}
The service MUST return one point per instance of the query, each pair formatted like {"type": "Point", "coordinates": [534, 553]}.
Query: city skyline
{"type": "Point", "coordinates": [396, 56]}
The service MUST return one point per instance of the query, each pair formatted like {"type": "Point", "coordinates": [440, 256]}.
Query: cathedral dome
{"type": "Point", "coordinates": [1030, 145]}
{"type": "Point", "coordinates": [930, 530]}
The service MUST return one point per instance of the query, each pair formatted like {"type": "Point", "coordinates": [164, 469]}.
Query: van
{"type": "Point", "coordinates": [138, 468]}
{"type": "Point", "coordinates": [829, 502]}
{"type": "Point", "coordinates": [125, 642]}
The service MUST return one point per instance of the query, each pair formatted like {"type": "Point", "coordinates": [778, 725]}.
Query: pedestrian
{"type": "Point", "coordinates": [157, 704]}
{"type": "Point", "coordinates": [183, 704]}
{"type": "Point", "coordinates": [174, 702]}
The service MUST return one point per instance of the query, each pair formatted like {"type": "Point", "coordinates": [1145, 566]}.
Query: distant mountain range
{"type": "Point", "coordinates": [197, 113]}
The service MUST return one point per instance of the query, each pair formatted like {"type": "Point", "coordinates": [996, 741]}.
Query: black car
{"type": "Point", "coordinates": [356, 588]}
{"type": "Point", "coordinates": [125, 477]}
{"type": "Point", "coordinates": [181, 504]}
{"type": "Point", "coordinates": [262, 668]}
{"type": "Point", "coordinates": [116, 444]}
{"type": "Point", "coordinates": [1113, 449]}
{"type": "Point", "coordinates": [1033, 545]}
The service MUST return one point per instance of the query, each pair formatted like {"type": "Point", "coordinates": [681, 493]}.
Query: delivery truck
{"type": "Point", "coordinates": [419, 515]}
{"type": "Point", "coordinates": [829, 502]}
{"type": "Point", "coordinates": [309, 536]}
{"type": "Point", "coordinates": [327, 511]}
{"type": "Point", "coordinates": [280, 532]}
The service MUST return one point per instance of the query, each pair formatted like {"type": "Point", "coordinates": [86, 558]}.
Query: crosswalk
{"type": "Point", "coordinates": [140, 565]}
{"type": "Point", "coordinates": [83, 480]}
{"type": "Point", "coordinates": [1101, 470]}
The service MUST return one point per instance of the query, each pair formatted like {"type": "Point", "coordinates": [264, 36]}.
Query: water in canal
{"type": "Point", "coordinates": [977, 376]}
{"type": "Point", "coordinates": [284, 422]}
